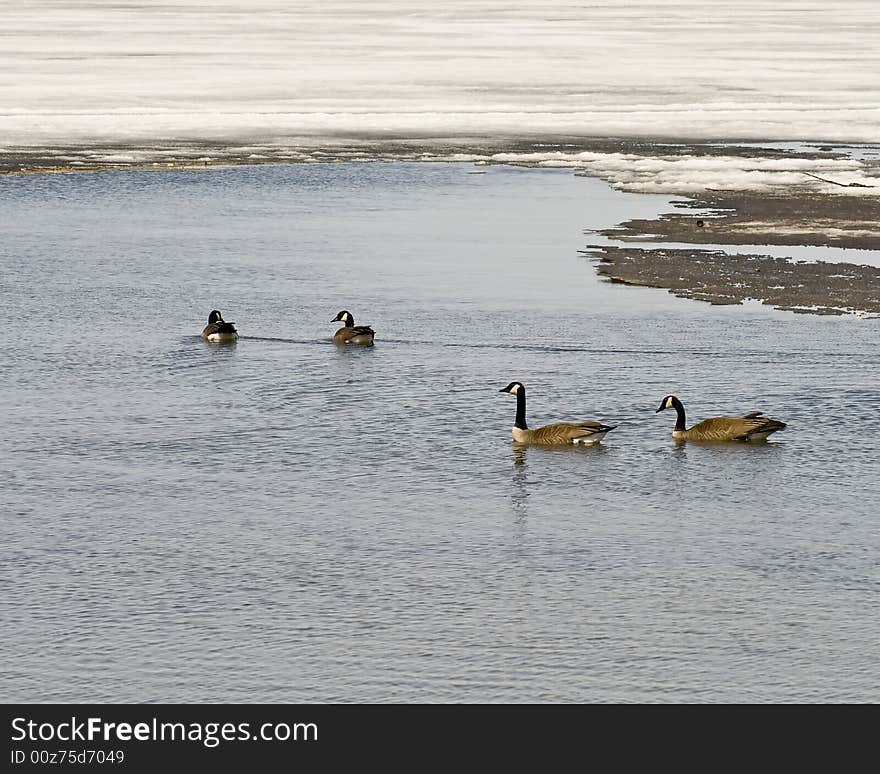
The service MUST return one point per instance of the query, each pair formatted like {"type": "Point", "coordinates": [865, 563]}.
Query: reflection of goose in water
{"type": "Point", "coordinates": [751, 427]}
{"type": "Point", "coordinates": [519, 493]}
{"type": "Point", "coordinates": [561, 433]}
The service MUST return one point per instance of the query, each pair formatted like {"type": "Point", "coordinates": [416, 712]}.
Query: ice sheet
{"type": "Point", "coordinates": [224, 69]}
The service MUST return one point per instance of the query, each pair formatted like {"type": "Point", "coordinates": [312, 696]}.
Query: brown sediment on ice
{"type": "Point", "coordinates": [721, 278]}
{"type": "Point", "coordinates": [177, 153]}
{"type": "Point", "coordinates": [794, 218]}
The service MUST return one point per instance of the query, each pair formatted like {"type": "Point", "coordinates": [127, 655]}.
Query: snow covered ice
{"type": "Point", "coordinates": [231, 69]}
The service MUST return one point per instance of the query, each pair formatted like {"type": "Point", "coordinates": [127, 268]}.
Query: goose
{"type": "Point", "coordinates": [351, 333]}
{"type": "Point", "coordinates": [751, 427]}
{"type": "Point", "coordinates": [218, 330]}
{"type": "Point", "coordinates": [556, 434]}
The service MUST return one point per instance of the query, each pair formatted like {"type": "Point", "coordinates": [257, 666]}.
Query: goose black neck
{"type": "Point", "coordinates": [679, 410]}
{"type": "Point", "coordinates": [521, 409]}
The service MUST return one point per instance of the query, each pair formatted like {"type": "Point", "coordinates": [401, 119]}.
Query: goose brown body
{"type": "Point", "coordinates": [751, 427]}
{"type": "Point", "coordinates": [557, 434]}
{"type": "Point", "coordinates": [562, 433]}
{"type": "Point", "coordinates": [351, 333]}
{"type": "Point", "coordinates": [218, 330]}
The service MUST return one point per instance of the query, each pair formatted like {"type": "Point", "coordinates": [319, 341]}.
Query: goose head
{"type": "Point", "coordinates": [215, 317]}
{"type": "Point", "coordinates": [513, 388]}
{"type": "Point", "coordinates": [345, 318]}
{"type": "Point", "coordinates": [670, 401]}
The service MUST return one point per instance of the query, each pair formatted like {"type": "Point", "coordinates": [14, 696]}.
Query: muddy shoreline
{"type": "Point", "coordinates": [720, 278]}
{"type": "Point", "coordinates": [796, 219]}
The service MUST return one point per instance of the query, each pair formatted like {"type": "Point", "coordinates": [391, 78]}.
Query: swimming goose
{"type": "Point", "coordinates": [351, 333]}
{"type": "Point", "coordinates": [218, 330]}
{"type": "Point", "coordinates": [551, 435]}
{"type": "Point", "coordinates": [751, 427]}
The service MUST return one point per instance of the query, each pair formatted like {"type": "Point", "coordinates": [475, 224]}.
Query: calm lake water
{"type": "Point", "coordinates": [285, 521]}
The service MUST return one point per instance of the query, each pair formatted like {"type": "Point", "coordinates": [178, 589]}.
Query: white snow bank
{"type": "Point", "coordinates": [233, 69]}
{"type": "Point", "coordinates": [683, 174]}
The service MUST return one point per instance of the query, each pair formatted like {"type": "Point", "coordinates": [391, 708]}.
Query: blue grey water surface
{"type": "Point", "coordinates": [282, 520]}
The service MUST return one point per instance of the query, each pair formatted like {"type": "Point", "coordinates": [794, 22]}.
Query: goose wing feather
{"type": "Point", "coordinates": [734, 428]}
{"type": "Point", "coordinates": [567, 432]}
{"type": "Point", "coordinates": [350, 332]}
{"type": "Point", "coordinates": [218, 327]}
